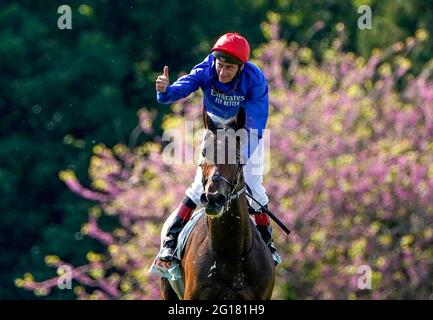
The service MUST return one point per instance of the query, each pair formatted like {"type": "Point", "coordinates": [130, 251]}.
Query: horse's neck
{"type": "Point", "coordinates": [230, 234]}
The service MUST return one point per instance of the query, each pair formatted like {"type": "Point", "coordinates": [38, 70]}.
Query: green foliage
{"type": "Point", "coordinates": [393, 21]}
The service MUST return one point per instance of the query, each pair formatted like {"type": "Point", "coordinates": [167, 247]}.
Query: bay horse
{"type": "Point", "coordinates": [225, 257]}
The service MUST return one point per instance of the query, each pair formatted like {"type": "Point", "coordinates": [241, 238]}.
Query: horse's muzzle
{"type": "Point", "coordinates": [213, 202]}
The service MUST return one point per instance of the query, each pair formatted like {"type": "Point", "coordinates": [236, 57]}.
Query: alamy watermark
{"type": "Point", "coordinates": [364, 21]}
{"type": "Point", "coordinates": [65, 20]}
{"type": "Point", "coordinates": [184, 147]}
{"type": "Point", "coordinates": [65, 277]}
{"type": "Point", "coordinates": [364, 281]}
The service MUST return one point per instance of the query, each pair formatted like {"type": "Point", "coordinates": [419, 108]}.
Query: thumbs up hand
{"type": "Point", "coordinates": [162, 81]}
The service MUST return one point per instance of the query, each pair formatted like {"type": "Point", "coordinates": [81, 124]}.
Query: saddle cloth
{"type": "Point", "coordinates": [172, 270]}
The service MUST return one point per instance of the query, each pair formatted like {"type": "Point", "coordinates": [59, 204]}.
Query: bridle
{"type": "Point", "coordinates": [234, 183]}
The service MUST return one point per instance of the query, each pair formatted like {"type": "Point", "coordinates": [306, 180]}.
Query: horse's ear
{"type": "Point", "coordinates": [208, 123]}
{"type": "Point", "coordinates": [240, 119]}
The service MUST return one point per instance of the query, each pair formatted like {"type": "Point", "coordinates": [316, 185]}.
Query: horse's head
{"type": "Point", "coordinates": [222, 163]}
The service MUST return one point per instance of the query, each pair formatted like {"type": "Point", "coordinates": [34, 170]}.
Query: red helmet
{"type": "Point", "coordinates": [234, 45]}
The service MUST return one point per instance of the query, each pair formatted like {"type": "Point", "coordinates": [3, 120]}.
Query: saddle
{"type": "Point", "coordinates": [172, 270]}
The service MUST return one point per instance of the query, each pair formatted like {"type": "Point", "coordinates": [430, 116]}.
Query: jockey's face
{"type": "Point", "coordinates": [226, 71]}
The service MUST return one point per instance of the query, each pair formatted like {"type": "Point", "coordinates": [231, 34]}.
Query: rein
{"type": "Point", "coordinates": [233, 194]}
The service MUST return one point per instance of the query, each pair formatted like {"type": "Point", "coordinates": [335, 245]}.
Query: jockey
{"type": "Point", "coordinates": [228, 81]}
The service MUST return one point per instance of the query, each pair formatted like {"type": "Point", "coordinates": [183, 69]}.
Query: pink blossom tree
{"type": "Point", "coordinates": [351, 174]}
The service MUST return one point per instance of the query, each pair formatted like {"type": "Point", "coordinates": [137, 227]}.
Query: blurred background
{"type": "Point", "coordinates": [82, 182]}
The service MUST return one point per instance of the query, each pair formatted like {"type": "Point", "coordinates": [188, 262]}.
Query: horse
{"type": "Point", "coordinates": [225, 257]}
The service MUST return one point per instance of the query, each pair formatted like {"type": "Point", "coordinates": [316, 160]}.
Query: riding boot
{"type": "Point", "coordinates": [183, 214]}
{"type": "Point", "coordinates": [265, 229]}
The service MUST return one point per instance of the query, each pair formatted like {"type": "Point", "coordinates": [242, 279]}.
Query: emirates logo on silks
{"type": "Point", "coordinates": [227, 100]}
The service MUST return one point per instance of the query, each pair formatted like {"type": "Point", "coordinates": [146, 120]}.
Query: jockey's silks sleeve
{"type": "Point", "coordinates": [249, 90]}
{"type": "Point", "coordinates": [185, 85]}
